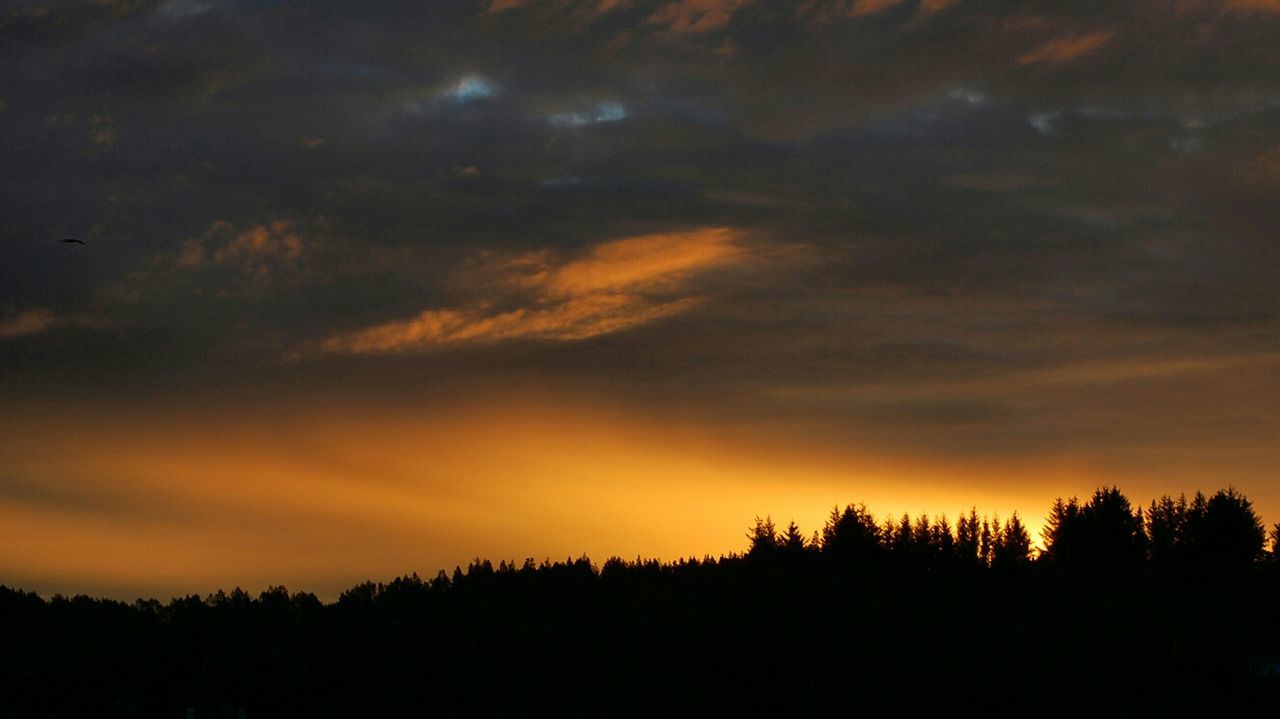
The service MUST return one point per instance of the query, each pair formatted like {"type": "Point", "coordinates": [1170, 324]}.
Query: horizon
{"type": "Point", "coordinates": [1035, 533]}
{"type": "Point", "coordinates": [309, 293]}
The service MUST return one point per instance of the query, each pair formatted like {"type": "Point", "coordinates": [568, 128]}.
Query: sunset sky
{"type": "Point", "coordinates": [370, 288]}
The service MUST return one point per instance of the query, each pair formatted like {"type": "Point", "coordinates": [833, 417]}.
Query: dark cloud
{"type": "Point", "coordinates": [966, 191]}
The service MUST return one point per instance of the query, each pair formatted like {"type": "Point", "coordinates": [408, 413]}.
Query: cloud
{"type": "Point", "coordinates": [228, 261]}
{"type": "Point", "coordinates": [681, 17]}
{"type": "Point", "coordinates": [257, 251]}
{"type": "Point", "coordinates": [185, 8]}
{"type": "Point", "coordinates": [1264, 169]}
{"type": "Point", "coordinates": [823, 13]}
{"type": "Point", "coordinates": [1255, 5]}
{"type": "Point", "coordinates": [871, 7]}
{"type": "Point", "coordinates": [564, 15]}
{"type": "Point", "coordinates": [470, 89]}
{"type": "Point", "coordinates": [27, 322]}
{"type": "Point", "coordinates": [1065, 48]}
{"type": "Point", "coordinates": [466, 90]}
{"type": "Point", "coordinates": [600, 112]}
{"type": "Point", "coordinates": [501, 5]}
{"type": "Point", "coordinates": [617, 285]}
{"type": "Point", "coordinates": [101, 131]}
{"type": "Point", "coordinates": [932, 6]}
{"type": "Point", "coordinates": [1044, 122]}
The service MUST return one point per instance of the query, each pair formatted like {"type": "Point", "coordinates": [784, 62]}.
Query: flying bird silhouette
{"type": "Point", "coordinates": [72, 239]}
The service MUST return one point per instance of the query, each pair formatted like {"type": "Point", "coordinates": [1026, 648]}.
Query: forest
{"type": "Point", "coordinates": [1128, 608]}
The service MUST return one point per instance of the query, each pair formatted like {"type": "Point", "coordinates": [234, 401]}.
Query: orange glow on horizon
{"type": "Point", "coordinates": [197, 501]}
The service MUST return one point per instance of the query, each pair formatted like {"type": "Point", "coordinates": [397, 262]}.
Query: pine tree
{"type": "Point", "coordinates": [942, 541]}
{"type": "Point", "coordinates": [792, 540]}
{"type": "Point", "coordinates": [850, 534]}
{"type": "Point", "coordinates": [1012, 545]}
{"type": "Point", "coordinates": [967, 540]}
{"type": "Point", "coordinates": [764, 538]}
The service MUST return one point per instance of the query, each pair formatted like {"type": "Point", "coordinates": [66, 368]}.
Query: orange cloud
{"type": "Point", "coordinates": [1066, 48]}
{"type": "Point", "coordinates": [825, 12]}
{"type": "Point", "coordinates": [695, 16]}
{"type": "Point", "coordinates": [617, 285]}
{"type": "Point", "coordinates": [260, 256]}
{"type": "Point", "coordinates": [871, 7]}
{"type": "Point", "coordinates": [589, 7]}
{"type": "Point", "coordinates": [647, 262]}
{"type": "Point", "coordinates": [28, 322]}
{"type": "Point", "coordinates": [932, 6]}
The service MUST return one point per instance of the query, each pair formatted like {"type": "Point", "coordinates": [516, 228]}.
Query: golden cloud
{"type": "Point", "coordinates": [1066, 48]}
{"type": "Point", "coordinates": [615, 286]}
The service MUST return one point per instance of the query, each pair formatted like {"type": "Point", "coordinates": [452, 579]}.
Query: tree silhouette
{"type": "Point", "coordinates": [851, 534]}
{"type": "Point", "coordinates": [1229, 537]}
{"type": "Point", "coordinates": [988, 538]}
{"type": "Point", "coordinates": [764, 538]}
{"type": "Point", "coordinates": [1207, 535]}
{"type": "Point", "coordinates": [968, 537]}
{"type": "Point", "coordinates": [943, 541]}
{"type": "Point", "coordinates": [867, 617]}
{"type": "Point", "coordinates": [1166, 528]}
{"type": "Point", "coordinates": [792, 540]}
{"type": "Point", "coordinates": [1012, 547]}
{"type": "Point", "coordinates": [902, 540]}
{"type": "Point", "coordinates": [1061, 532]}
{"type": "Point", "coordinates": [1104, 536]}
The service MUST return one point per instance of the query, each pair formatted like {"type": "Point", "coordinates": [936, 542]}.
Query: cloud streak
{"type": "Point", "coordinates": [1065, 48]}
{"type": "Point", "coordinates": [26, 322]}
{"type": "Point", "coordinates": [693, 17]}
{"type": "Point", "coordinates": [615, 286]}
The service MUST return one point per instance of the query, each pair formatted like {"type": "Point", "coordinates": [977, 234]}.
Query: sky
{"type": "Point", "coordinates": [376, 288]}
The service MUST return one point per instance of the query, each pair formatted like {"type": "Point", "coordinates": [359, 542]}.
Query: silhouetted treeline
{"type": "Point", "coordinates": [1125, 608]}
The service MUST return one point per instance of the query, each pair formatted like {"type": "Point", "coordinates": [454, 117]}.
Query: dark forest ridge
{"type": "Point", "coordinates": [1103, 533]}
{"type": "Point", "coordinates": [1178, 598]}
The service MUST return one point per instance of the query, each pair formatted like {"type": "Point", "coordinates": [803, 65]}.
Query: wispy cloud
{"type": "Point", "coordinates": [185, 8]}
{"type": "Point", "coordinates": [26, 322]}
{"type": "Point", "coordinates": [600, 112]}
{"type": "Point", "coordinates": [1065, 48]}
{"type": "Point", "coordinates": [615, 286]}
{"type": "Point", "coordinates": [1255, 5]}
{"type": "Point", "coordinates": [681, 17]}
{"type": "Point", "coordinates": [501, 5]}
{"type": "Point", "coordinates": [259, 257]}
{"type": "Point", "coordinates": [229, 261]}
{"type": "Point", "coordinates": [470, 88]}
{"type": "Point", "coordinates": [871, 7]}
{"type": "Point", "coordinates": [932, 6]}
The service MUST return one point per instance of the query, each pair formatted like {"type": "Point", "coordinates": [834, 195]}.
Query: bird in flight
{"type": "Point", "coordinates": [72, 240]}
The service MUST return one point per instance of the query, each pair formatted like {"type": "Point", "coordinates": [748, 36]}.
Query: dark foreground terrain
{"type": "Point", "coordinates": [1172, 609]}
